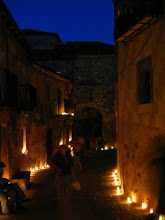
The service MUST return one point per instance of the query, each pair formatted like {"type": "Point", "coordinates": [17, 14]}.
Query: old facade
{"type": "Point", "coordinates": [140, 99]}
{"type": "Point", "coordinates": [32, 103]}
{"type": "Point", "coordinates": [91, 68]}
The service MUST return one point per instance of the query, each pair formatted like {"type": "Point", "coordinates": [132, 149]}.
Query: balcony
{"type": "Point", "coordinates": [8, 89]}
{"type": "Point", "coordinates": [132, 15]}
{"type": "Point", "coordinates": [27, 97]}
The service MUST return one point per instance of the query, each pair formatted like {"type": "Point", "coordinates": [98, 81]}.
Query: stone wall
{"type": "Point", "coordinates": [91, 68]}
{"type": "Point", "coordinates": [141, 127]}
{"type": "Point", "coordinates": [30, 127]}
{"type": "Point", "coordinates": [94, 87]}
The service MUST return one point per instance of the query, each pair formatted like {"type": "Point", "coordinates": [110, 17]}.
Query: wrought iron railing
{"type": "Point", "coordinates": [131, 12]}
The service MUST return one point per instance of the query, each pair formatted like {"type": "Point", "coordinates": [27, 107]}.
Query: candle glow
{"type": "Point", "coordinates": [133, 198]}
{"type": "Point", "coordinates": [144, 205]}
{"type": "Point", "coordinates": [160, 217]}
{"type": "Point", "coordinates": [118, 191]}
{"type": "Point", "coordinates": [129, 200]}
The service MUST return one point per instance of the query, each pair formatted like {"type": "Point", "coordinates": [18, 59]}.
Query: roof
{"type": "Point", "coordinates": [5, 13]}
{"type": "Point", "coordinates": [30, 32]}
{"type": "Point", "coordinates": [88, 48]}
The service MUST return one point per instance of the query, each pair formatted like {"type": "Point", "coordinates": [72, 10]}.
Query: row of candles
{"type": "Point", "coordinates": [34, 170]}
{"type": "Point", "coordinates": [132, 199]}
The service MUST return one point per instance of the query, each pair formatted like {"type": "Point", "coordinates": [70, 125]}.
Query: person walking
{"type": "Point", "coordinates": [64, 171]}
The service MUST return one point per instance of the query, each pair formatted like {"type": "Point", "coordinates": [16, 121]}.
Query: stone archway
{"type": "Point", "coordinates": [88, 125]}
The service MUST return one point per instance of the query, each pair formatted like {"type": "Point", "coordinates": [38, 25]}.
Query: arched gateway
{"type": "Point", "coordinates": [88, 125]}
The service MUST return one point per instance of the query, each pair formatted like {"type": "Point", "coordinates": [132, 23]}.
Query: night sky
{"type": "Point", "coordinates": [73, 20]}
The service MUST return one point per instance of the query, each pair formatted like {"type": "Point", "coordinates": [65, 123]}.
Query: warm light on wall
{"type": "Point", "coordinates": [151, 211]}
{"type": "Point", "coordinates": [24, 149]}
{"type": "Point", "coordinates": [144, 205]}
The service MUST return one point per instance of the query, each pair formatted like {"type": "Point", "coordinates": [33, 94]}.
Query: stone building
{"type": "Point", "coordinates": [32, 103]}
{"type": "Point", "coordinates": [140, 99]}
{"type": "Point", "coordinates": [91, 68]}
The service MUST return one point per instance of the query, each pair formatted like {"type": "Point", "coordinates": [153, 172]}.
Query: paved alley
{"type": "Point", "coordinates": [93, 202]}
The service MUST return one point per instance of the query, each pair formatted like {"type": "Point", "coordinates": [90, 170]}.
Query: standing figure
{"type": "Point", "coordinates": [63, 164]}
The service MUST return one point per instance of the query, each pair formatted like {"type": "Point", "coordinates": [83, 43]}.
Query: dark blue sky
{"type": "Point", "coordinates": [73, 20]}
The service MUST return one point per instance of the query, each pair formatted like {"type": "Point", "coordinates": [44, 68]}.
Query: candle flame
{"type": "Point", "coordinates": [129, 200]}
{"type": "Point", "coordinates": [144, 205]}
{"type": "Point", "coordinates": [118, 191]}
{"type": "Point", "coordinates": [151, 211]}
{"type": "Point", "coordinates": [64, 113]}
{"type": "Point", "coordinates": [160, 217]}
{"type": "Point", "coordinates": [61, 143]}
{"type": "Point", "coordinates": [133, 198]}
{"type": "Point", "coordinates": [24, 150]}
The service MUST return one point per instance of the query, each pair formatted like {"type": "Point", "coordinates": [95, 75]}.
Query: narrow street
{"type": "Point", "coordinates": [93, 202]}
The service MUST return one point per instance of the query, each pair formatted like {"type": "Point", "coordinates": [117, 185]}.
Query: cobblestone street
{"type": "Point", "coordinates": [93, 202]}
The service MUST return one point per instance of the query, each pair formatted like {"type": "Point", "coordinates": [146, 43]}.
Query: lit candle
{"type": "Point", "coordinates": [151, 211]}
{"type": "Point", "coordinates": [133, 198]}
{"type": "Point", "coordinates": [129, 200]}
{"type": "Point", "coordinates": [61, 143]}
{"type": "Point", "coordinates": [118, 190]}
{"type": "Point", "coordinates": [144, 205]}
{"type": "Point", "coordinates": [116, 182]}
{"type": "Point", "coordinates": [115, 171]}
{"type": "Point", "coordinates": [114, 175]}
{"type": "Point", "coordinates": [64, 113]}
{"type": "Point", "coordinates": [160, 217]}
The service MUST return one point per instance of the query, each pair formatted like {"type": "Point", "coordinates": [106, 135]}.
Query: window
{"type": "Point", "coordinates": [145, 81]}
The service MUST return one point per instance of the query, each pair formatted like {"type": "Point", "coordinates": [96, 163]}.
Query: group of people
{"type": "Point", "coordinates": [66, 162]}
{"type": "Point", "coordinates": [65, 167]}
{"type": "Point", "coordinates": [11, 195]}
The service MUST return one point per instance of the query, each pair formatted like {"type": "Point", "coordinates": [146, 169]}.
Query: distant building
{"type": "Point", "coordinates": [140, 99]}
{"type": "Point", "coordinates": [32, 103]}
{"type": "Point", "coordinates": [91, 68]}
